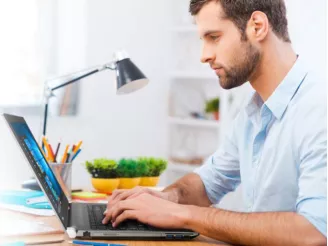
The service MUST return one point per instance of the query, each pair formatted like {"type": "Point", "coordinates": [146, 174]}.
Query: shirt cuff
{"type": "Point", "coordinates": [211, 194]}
{"type": "Point", "coordinates": [315, 211]}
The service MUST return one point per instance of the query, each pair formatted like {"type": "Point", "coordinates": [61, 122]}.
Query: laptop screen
{"type": "Point", "coordinates": [40, 166]}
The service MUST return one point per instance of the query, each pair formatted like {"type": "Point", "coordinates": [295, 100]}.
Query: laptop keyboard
{"type": "Point", "coordinates": [96, 215]}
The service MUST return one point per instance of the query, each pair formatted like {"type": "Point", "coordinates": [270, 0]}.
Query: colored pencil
{"type": "Point", "coordinates": [63, 160]}
{"type": "Point", "coordinates": [77, 147]}
{"type": "Point", "coordinates": [44, 140]}
{"type": "Point", "coordinates": [68, 155]}
{"type": "Point", "coordinates": [78, 152]}
{"type": "Point", "coordinates": [52, 153]}
{"type": "Point", "coordinates": [57, 150]}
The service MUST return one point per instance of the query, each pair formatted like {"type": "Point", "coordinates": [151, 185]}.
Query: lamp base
{"type": "Point", "coordinates": [31, 184]}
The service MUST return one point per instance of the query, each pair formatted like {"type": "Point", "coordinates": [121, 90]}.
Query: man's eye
{"type": "Point", "coordinates": [214, 38]}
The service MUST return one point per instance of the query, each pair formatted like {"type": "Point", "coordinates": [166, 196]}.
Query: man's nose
{"type": "Point", "coordinates": [207, 55]}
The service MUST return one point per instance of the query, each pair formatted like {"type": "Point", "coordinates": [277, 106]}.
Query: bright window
{"type": "Point", "coordinates": [20, 71]}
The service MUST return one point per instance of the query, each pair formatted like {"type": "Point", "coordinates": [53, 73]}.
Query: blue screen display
{"type": "Point", "coordinates": [40, 166]}
{"type": "Point", "coordinates": [45, 172]}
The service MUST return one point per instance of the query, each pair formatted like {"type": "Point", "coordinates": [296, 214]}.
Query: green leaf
{"type": "Point", "coordinates": [212, 105]}
{"type": "Point", "coordinates": [102, 168]}
{"type": "Point", "coordinates": [142, 167]}
{"type": "Point", "coordinates": [156, 166]}
{"type": "Point", "coordinates": [127, 168]}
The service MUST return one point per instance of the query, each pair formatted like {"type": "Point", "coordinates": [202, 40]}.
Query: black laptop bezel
{"type": "Point", "coordinates": [62, 207]}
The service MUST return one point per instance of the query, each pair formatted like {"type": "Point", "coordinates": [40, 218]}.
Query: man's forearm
{"type": "Point", "coordinates": [188, 190]}
{"type": "Point", "coordinates": [270, 228]}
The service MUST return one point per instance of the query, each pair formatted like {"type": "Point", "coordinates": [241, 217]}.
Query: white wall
{"type": "Point", "coordinates": [110, 126]}
{"type": "Point", "coordinates": [308, 31]}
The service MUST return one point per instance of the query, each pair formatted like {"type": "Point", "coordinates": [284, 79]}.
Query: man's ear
{"type": "Point", "coordinates": [258, 26]}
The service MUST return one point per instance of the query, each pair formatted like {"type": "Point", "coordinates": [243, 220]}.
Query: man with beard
{"type": "Point", "coordinates": [276, 147]}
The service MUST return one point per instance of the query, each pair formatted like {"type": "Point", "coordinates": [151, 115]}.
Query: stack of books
{"type": "Point", "coordinates": [26, 198]}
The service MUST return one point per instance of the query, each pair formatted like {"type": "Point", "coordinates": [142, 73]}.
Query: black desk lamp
{"type": "Point", "coordinates": [129, 78]}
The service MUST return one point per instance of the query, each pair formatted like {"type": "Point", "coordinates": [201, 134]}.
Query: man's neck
{"type": "Point", "coordinates": [273, 68]}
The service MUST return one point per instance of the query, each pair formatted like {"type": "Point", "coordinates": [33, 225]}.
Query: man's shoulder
{"type": "Point", "coordinates": [312, 94]}
{"type": "Point", "coordinates": [308, 109]}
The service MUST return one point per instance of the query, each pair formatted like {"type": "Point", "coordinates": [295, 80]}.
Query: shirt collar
{"type": "Point", "coordinates": [280, 98]}
{"type": "Point", "coordinates": [254, 104]}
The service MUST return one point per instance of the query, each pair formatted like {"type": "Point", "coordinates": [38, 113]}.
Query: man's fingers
{"type": "Point", "coordinates": [120, 208]}
{"type": "Point", "coordinates": [108, 216]}
{"type": "Point", "coordinates": [116, 210]}
{"type": "Point", "coordinates": [127, 214]}
{"type": "Point", "coordinates": [111, 203]}
{"type": "Point", "coordinates": [118, 197]}
{"type": "Point", "coordinates": [121, 196]}
{"type": "Point", "coordinates": [116, 193]}
{"type": "Point", "coordinates": [113, 198]}
{"type": "Point", "coordinates": [139, 192]}
{"type": "Point", "coordinates": [124, 195]}
{"type": "Point", "coordinates": [136, 194]}
{"type": "Point", "coordinates": [105, 220]}
{"type": "Point", "coordinates": [132, 195]}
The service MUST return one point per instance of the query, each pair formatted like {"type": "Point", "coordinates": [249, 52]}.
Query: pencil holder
{"type": "Point", "coordinates": [63, 173]}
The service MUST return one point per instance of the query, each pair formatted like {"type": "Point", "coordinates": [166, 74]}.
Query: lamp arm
{"type": "Point", "coordinates": [111, 66]}
{"type": "Point", "coordinates": [48, 93]}
{"type": "Point", "coordinates": [75, 79]}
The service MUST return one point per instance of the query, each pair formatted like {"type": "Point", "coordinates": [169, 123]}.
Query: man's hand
{"type": "Point", "coordinates": [121, 195]}
{"type": "Point", "coordinates": [148, 209]}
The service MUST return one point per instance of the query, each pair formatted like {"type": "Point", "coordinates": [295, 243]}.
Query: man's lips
{"type": "Point", "coordinates": [217, 70]}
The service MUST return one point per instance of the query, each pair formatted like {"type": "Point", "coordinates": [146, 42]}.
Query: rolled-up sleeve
{"type": "Point", "coordinates": [312, 197]}
{"type": "Point", "coordinates": [221, 173]}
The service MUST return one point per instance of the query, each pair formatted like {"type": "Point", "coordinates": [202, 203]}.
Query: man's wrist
{"type": "Point", "coordinates": [172, 195]}
{"type": "Point", "coordinates": [194, 215]}
{"type": "Point", "coordinates": [186, 218]}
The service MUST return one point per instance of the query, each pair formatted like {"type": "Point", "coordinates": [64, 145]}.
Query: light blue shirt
{"type": "Point", "coordinates": [278, 151]}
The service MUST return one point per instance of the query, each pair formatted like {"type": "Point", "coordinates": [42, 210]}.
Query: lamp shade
{"type": "Point", "coordinates": [129, 77]}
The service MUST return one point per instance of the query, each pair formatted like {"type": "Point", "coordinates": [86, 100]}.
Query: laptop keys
{"type": "Point", "coordinates": [96, 216]}
{"type": "Point", "coordinates": [141, 227]}
{"type": "Point", "coordinates": [101, 227]}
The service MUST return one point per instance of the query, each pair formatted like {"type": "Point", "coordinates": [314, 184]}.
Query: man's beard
{"type": "Point", "coordinates": [242, 68]}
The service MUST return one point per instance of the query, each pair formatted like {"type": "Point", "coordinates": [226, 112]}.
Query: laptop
{"type": "Point", "coordinates": [84, 218]}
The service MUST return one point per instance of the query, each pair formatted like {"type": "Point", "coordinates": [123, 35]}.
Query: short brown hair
{"type": "Point", "coordinates": [240, 11]}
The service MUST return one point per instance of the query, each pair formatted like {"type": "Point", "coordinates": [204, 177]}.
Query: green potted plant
{"type": "Point", "coordinates": [129, 173]}
{"type": "Point", "coordinates": [155, 167]}
{"type": "Point", "coordinates": [103, 173]}
{"type": "Point", "coordinates": [212, 106]}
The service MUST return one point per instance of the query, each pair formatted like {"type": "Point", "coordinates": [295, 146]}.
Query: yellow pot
{"type": "Point", "coordinates": [128, 183]}
{"type": "Point", "coordinates": [105, 185]}
{"type": "Point", "coordinates": [149, 181]}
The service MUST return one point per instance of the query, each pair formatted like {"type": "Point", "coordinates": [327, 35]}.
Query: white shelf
{"type": "Point", "coordinates": [182, 167]}
{"type": "Point", "coordinates": [193, 75]}
{"type": "Point", "coordinates": [194, 122]}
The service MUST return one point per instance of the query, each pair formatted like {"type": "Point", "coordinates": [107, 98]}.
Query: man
{"type": "Point", "coordinates": [277, 146]}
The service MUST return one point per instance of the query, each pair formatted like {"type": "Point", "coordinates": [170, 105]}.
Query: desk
{"type": "Point", "coordinates": [59, 234]}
